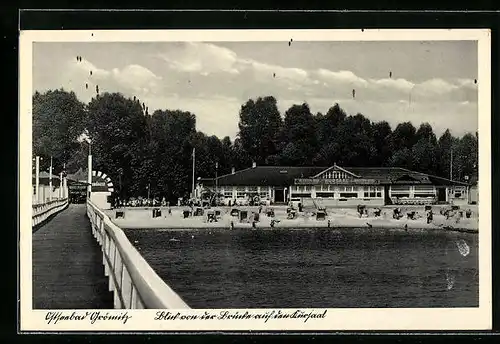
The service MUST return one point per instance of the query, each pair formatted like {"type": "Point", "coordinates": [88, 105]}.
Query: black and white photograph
{"type": "Point", "coordinates": [256, 179]}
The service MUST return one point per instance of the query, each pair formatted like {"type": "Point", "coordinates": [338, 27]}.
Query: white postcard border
{"type": "Point", "coordinates": [336, 319]}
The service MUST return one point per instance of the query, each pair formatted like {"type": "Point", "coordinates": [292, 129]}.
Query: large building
{"type": "Point", "coordinates": [335, 186]}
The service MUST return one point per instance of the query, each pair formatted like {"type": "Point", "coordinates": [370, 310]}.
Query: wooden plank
{"type": "Point", "coordinates": [67, 264]}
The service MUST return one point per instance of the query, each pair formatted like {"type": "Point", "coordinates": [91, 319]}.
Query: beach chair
{"type": "Point", "coordinates": [156, 212]}
{"type": "Point", "coordinates": [411, 215]}
{"type": "Point", "coordinates": [320, 215]}
{"type": "Point", "coordinates": [243, 215]}
{"type": "Point", "coordinates": [270, 212]}
{"type": "Point", "coordinates": [211, 216]}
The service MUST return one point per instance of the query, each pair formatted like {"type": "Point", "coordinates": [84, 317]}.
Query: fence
{"type": "Point", "coordinates": [42, 211]}
{"type": "Point", "coordinates": [134, 283]}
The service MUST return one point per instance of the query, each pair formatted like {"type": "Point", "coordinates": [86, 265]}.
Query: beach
{"type": "Point", "coordinates": [141, 218]}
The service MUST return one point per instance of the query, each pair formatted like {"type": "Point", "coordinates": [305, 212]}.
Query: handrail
{"type": "Point", "coordinates": [41, 212]}
{"type": "Point", "coordinates": [134, 282]}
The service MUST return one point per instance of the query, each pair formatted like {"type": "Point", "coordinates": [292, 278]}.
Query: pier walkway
{"type": "Point", "coordinates": [68, 272]}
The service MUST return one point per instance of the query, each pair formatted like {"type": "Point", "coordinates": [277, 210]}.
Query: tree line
{"type": "Point", "coordinates": [139, 150]}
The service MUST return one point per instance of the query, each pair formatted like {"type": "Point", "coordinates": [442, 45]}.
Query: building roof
{"type": "Point", "coordinates": [286, 175]}
{"type": "Point", "coordinates": [388, 175]}
{"type": "Point", "coordinates": [44, 179]}
{"type": "Point", "coordinates": [265, 176]}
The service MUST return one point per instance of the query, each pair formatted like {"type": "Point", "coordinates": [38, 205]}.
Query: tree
{"type": "Point", "coordinates": [444, 149]}
{"type": "Point", "coordinates": [119, 132]}
{"type": "Point", "coordinates": [328, 124]}
{"type": "Point", "coordinates": [381, 133]}
{"type": "Point", "coordinates": [425, 132]}
{"type": "Point", "coordinates": [402, 158]}
{"type": "Point", "coordinates": [172, 136]}
{"type": "Point", "coordinates": [59, 118]}
{"type": "Point", "coordinates": [403, 136]}
{"type": "Point", "coordinates": [424, 156]}
{"type": "Point", "coordinates": [465, 158]}
{"type": "Point", "coordinates": [260, 122]}
{"type": "Point", "coordinates": [300, 142]}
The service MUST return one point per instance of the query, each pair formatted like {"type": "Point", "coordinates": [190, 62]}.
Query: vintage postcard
{"type": "Point", "coordinates": [256, 180]}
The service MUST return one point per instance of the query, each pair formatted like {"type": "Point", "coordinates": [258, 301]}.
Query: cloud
{"type": "Point", "coordinates": [213, 82]}
{"type": "Point", "coordinates": [201, 58]}
{"type": "Point", "coordinates": [342, 77]}
{"type": "Point", "coordinates": [84, 67]}
{"type": "Point", "coordinates": [137, 78]}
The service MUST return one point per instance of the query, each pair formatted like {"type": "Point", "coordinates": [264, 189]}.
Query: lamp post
{"type": "Point", "coordinates": [89, 172]}
{"type": "Point", "coordinates": [60, 185]}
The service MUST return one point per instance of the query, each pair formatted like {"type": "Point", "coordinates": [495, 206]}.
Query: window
{"type": "Point", "coordinates": [325, 194]}
{"type": "Point", "coordinates": [264, 193]}
{"type": "Point", "coordinates": [325, 188]}
{"type": "Point", "coordinates": [400, 191]}
{"type": "Point", "coordinates": [372, 191]}
{"type": "Point", "coordinates": [459, 191]}
{"type": "Point", "coordinates": [348, 194]}
{"type": "Point", "coordinates": [228, 193]}
{"type": "Point", "coordinates": [301, 195]}
{"type": "Point", "coordinates": [240, 192]}
{"type": "Point", "coordinates": [252, 191]}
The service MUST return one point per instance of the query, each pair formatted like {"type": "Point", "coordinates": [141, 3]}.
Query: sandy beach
{"type": "Point", "coordinates": [137, 218]}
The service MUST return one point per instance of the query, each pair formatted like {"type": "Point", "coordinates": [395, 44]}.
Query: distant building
{"type": "Point", "coordinates": [335, 186]}
{"type": "Point", "coordinates": [44, 191]}
{"type": "Point", "coordinates": [102, 187]}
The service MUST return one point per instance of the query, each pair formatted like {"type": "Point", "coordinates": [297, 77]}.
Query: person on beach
{"type": "Point", "coordinates": [429, 216]}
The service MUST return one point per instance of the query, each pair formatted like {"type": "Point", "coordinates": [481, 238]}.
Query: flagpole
{"type": "Point", "coordinates": [216, 168]}
{"type": "Point", "coordinates": [50, 180]}
{"type": "Point", "coordinates": [194, 149]}
{"type": "Point", "coordinates": [451, 163]}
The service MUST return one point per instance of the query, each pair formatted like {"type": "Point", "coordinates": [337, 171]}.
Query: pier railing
{"type": "Point", "coordinates": [134, 282]}
{"type": "Point", "coordinates": [42, 211]}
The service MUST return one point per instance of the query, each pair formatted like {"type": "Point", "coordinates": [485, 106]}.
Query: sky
{"type": "Point", "coordinates": [416, 81]}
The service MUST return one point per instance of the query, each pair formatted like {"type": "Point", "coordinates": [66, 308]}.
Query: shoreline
{"type": "Point", "coordinates": [249, 227]}
{"type": "Point", "coordinates": [339, 218]}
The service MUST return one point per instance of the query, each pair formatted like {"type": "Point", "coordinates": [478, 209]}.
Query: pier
{"type": "Point", "coordinates": [81, 260]}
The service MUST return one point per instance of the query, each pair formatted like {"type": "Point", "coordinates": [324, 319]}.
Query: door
{"type": "Point", "coordinates": [387, 199]}
{"type": "Point", "coordinates": [441, 194]}
{"type": "Point", "coordinates": [279, 195]}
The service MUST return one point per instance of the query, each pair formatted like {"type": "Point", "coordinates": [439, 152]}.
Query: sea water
{"type": "Point", "coordinates": [287, 268]}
